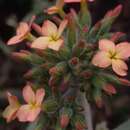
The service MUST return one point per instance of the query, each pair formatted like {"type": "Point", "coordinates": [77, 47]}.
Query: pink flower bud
{"type": "Point", "coordinates": [64, 121]}
{"type": "Point", "coordinates": [124, 81]}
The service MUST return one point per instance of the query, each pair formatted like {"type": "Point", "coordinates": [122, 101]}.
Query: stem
{"type": "Point", "coordinates": [87, 110]}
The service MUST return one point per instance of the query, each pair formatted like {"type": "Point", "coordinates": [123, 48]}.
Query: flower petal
{"type": "Point", "coordinates": [28, 94]}
{"type": "Point", "coordinates": [120, 67]}
{"type": "Point", "coordinates": [123, 49]}
{"type": "Point", "coordinates": [12, 99]}
{"type": "Point", "coordinates": [52, 10]}
{"type": "Point", "coordinates": [62, 27]}
{"type": "Point", "coordinates": [106, 45]}
{"type": "Point", "coordinates": [101, 59]}
{"type": "Point", "coordinates": [55, 45]}
{"type": "Point", "coordinates": [40, 93]}
{"type": "Point", "coordinates": [22, 29]}
{"type": "Point", "coordinates": [27, 114]}
{"type": "Point", "coordinates": [41, 43]}
{"type": "Point", "coordinates": [49, 28]}
{"type": "Point", "coordinates": [15, 40]}
{"type": "Point", "coordinates": [10, 113]}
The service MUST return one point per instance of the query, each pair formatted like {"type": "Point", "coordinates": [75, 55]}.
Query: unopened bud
{"type": "Point", "coordinates": [85, 29]}
{"type": "Point", "coordinates": [37, 28]}
{"type": "Point", "coordinates": [86, 74]}
{"type": "Point", "coordinates": [79, 122]}
{"type": "Point", "coordinates": [58, 69]}
{"type": "Point", "coordinates": [64, 121]}
{"type": "Point", "coordinates": [115, 12]}
{"type": "Point", "coordinates": [124, 81]}
{"type": "Point", "coordinates": [65, 115]}
{"type": "Point", "coordinates": [109, 89]}
{"type": "Point", "coordinates": [116, 36]}
{"type": "Point", "coordinates": [74, 61]}
{"type": "Point", "coordinates": [22, 55]}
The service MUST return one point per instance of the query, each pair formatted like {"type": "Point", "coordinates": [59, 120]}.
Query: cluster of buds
{"type": "Point", "coordinates": [68, 56]}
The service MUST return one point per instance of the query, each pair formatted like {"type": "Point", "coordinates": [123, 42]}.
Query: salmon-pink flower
{"type": "Point", "coordinates": [69, 1]}
{"type": "Point", "coordinates": [111, 54]}
{"type": "Point", "coordinates": [11, 111]}
{"type": "Point", "coordinates": [21, 34]}
{"type": "Point", "coordinates": [51, 36]}
{"type": "Point", "coordinates": [30, 111]}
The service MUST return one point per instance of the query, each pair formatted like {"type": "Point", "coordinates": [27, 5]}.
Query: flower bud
{"type": "Point", "coordinates": [65, 115]}
{"type": "Point", "coordinates": [86, 74]}
{"type": "Point", "coordinates": [115, 12]}
{"type": "Point", "coordinates": [64, 121]}
{"type": "Point", "coordinates": [74, 61]}
{"type": "Point", "coordinates": [22, 55]}
{"type": "Point", "coordinates": [79, 122]}
{"type": "Point", "coordinates": [124, 81]}
{"type": "Point", "coordinates": [109, 89]}
{"type": "Point", "coordinates": [116, 36]}
{"type": "Point", "coordinates": [58, 69]}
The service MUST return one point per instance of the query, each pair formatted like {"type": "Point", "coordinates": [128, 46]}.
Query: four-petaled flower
{"type": "Point", "coordinates": [30, 111]}
{"type": "Point", "coordinates": [21, 34]}
{"type": "Point", "coordinates": [51, 36]}
{"type": "Point", "coordinates": [111, 54]}
{"type": "Point", "coordinates": [10, 112]}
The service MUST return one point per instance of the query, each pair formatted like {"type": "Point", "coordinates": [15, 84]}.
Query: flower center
{"type": "Point", "coordinates": [54, 38]}
{"type": "Point", "coordinates": [33, 105]}
{"type": "Point", "coordinates": [113, 55]}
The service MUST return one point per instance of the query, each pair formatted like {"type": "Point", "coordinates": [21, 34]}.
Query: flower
{"type": "Point", "coordinates": [11, 111]}
{"type": "Point", "coordinates": [55, 9]}
{"type": "Point", "coordinates": [111, 54]}
{"type": "Point", "coordinates": [21, 33]}
{"type": "Point", "coordinates": [52, 36]}
{"type": "Point", "coordinates": [69, 1]}
{"type": "Point", "coordinates": [31, 110]}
